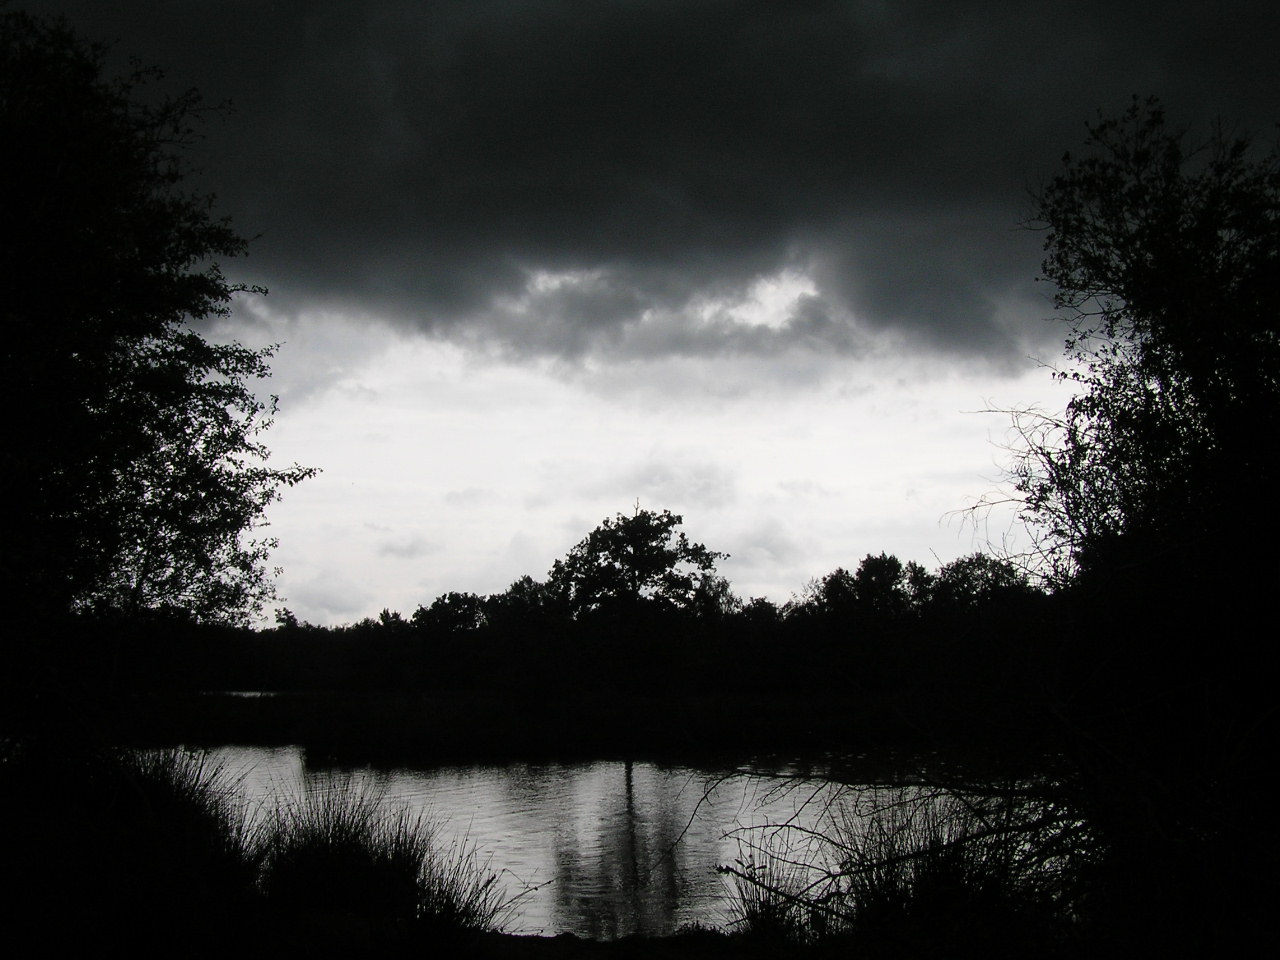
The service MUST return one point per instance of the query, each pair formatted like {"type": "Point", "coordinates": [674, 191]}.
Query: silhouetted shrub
{"type": "Point", "coordinates": [108, 845]}
{"type": "Point", "coordinates": [915, 872]}
{"type": "Point", "coordinates": [341, 849]}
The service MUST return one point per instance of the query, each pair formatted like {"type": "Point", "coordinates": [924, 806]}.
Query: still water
{"type": "Point", "coordinates": [602, 849]}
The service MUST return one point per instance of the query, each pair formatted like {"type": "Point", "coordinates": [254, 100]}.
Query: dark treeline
{"type": "Point", "coordinates": [888, 649]}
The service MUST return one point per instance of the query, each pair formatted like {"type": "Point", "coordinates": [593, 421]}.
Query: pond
{"type": "Point", "coordinates": [599, 849]}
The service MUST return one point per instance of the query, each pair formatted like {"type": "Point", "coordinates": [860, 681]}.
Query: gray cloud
{"type": "Point", "coordinates": [766, 546]}
{"type": "Point", "coordinates": [427, 162]}
{"type": "Point", "coordinates": [672, 479]}
{"type": "Point", "coordinates": [406, 547]}
{"type": "Point", "coordinates": [331, 595]}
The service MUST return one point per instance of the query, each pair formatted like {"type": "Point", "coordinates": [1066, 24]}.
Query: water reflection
{"type": "Point", "coordinates": [620, 869]}
{"type": "Point", "coordinates": [601, 849]}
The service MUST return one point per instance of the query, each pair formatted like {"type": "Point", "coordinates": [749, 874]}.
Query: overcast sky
{"type": "Point", "coordinates": [757, 263]}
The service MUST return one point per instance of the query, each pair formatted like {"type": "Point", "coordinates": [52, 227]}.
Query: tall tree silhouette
{"type": "Point", "coordinates": [1165, 255]}
{"type": "Point", "coordinates": [1153, 490]}
{"type": "Point", "coordinates": [627, 560]}
{"type": "Point", "coordinates": [133, 471]}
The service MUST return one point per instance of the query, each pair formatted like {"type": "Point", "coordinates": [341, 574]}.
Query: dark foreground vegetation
{"type": "Point", "coordinates": [1125, 662]}
{"type": "Point", "coordinates": [178, 861]}
{"type": "Point", "coordinates": [1110, 800]}
{"type": "Point", "coordinates": [157, 851]}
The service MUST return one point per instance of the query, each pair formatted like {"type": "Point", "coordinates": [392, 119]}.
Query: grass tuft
{"type": "Point", "coordinates": [121, 843]}
{"type": "Point", "coordinates": [915, 870]}
{"type": "Point", "coordinates": [158, 844]}
{"type": "Point", "coordinates": [343, 848]}
{"type": "Point", "coordinates": [767, 899]}
{"type": "Point", "coordinates": [461, 890]}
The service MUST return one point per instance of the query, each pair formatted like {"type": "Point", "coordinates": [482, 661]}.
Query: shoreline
{"type": "Point", "coordinates": [485, 726]}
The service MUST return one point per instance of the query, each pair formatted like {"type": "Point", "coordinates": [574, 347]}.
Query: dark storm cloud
{"type": "Point", "coordinates": [430, 161]}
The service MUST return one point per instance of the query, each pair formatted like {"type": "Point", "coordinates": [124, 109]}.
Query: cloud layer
{"type": "Point", "coordinates": [575, 179]}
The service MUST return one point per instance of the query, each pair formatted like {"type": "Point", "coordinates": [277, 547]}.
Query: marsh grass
{"type": "Point", "coordinates": [161, 844]}
{"type": "Point", "coordinates": [461, 890]}
{"type": "Point", "coordinates": [191, 815]}
{"type": "Point", "coordinates": [914, 869]}
{"type": "Point", "coordinates": [102, 844]}
{"type": "Point", "coordinates": [769, 895]}
{"type": "Point", "coordinates": [336, 849]}
{"type": "Point", "coordinates": [343, 848]}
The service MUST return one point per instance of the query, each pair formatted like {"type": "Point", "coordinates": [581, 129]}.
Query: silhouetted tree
{"type": "Point", "coordinates": [835, 594]}
{"type": "Point", "coordinates": [452, 612]}
{"type": "Point", "coordinates": [628, 560]}
{"type": "Point", "coordinates": [526, 604]}
{"type": "Point", "coordinates": [761, 612]}
{"type": "Point", "coordinates": [882, 585]}
{"type": "Point", "coordinates": [1166, 259]}
{"type": "Point", "coordinates": [976, 580]}
{"type": "Point", "coordinates": [1152, 494]}
{"type": "Point", "coordinates": [393, 622]}
{"type": "Point", "coordinates": [132, 465]}
{"type": "Point", "coordinates": [714, 599]}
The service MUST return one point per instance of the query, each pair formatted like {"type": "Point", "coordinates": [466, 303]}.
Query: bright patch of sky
{"type": "Point", "coordinates": [447, 468]}
{"type": "Point", "coordinates": [769, 301]}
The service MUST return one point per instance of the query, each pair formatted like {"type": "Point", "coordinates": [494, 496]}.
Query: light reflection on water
{"type": "Point", "coordinates": [602, 849]}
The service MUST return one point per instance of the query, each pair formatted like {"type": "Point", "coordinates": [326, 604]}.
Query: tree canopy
{"type": "Point", "coordinates": [134, 471]}
{"type": "Point", "coordinates": [630, 559]}
{"type": "Point", "coordinates": [1165, 255]}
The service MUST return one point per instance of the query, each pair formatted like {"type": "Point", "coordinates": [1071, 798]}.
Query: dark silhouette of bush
{"type": "Point", "coordinates": [154, 849]}
{"type": "Point", "coordinates": [121, 847]}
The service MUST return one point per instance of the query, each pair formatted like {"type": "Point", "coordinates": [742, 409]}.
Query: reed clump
{"type": "Point", "coordinates": [136, 843]}
{"type": "Point", "coordinates": [769, 901]}
{"type": "Point", "coordinates": [916, 871]}
{"type": "Point", "coordinates": [161, 843]}
{"type": "Point", "coordinates": [343, 848]}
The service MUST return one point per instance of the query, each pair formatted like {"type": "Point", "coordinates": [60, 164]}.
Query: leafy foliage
{"type": "Point", "coordinates": [975, 580]}
{"type": "Point", "coordinates": [1165, 255]}
{"type": "Point", "coordinates": [882, 587]}
{"type": "Point", "coordinates": [642, 557]}
{"type": "Point", "coordinates": [136, 459]}
{"type": "Point", "coordinates": [452, 612]}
